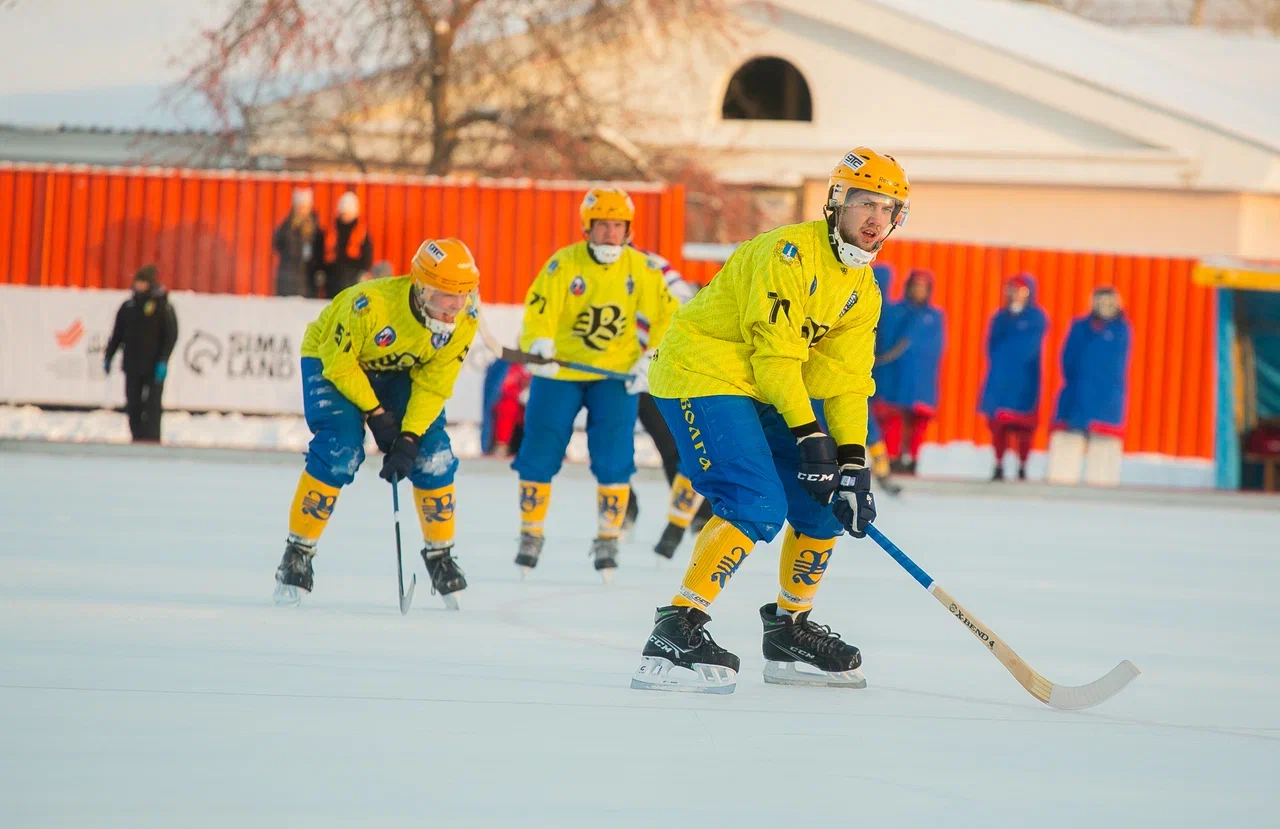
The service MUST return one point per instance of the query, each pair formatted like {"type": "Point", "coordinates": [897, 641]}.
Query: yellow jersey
{"type": "Point", "coordinates": [373, 326]}
{"type": "Point", "coordinates": [784, 321]}
{"type": "Point", "coordinates": [595, 313]}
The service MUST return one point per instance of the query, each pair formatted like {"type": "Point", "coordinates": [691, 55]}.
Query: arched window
{"type": "Point", "coordinates": [767, 89]}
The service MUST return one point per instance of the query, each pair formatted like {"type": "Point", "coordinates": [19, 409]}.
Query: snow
{"type": "Point", "coordinates": [145, 679]}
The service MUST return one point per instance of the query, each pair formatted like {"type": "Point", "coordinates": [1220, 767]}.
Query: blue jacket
{"type": "Point", "coordinates": [1095, 363]}
{"type": "Point", "coordinates": [1014, 346]}
{"type": "Point", "coordinates": [890, 312]}
{"type": "Point", "coordinates": [911, 381]}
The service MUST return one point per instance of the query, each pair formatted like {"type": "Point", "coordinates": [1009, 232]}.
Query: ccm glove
{"type": "Point", "coordinates": [544, 347]}
{"type": "Point", "coordinates": [818, 470]}
{"type": "Point", "coordinates": [398, 463]}
{"type": "Point", "coordinates": [386, 428]}
{"type": "Point", "coordinates": [855, 506]}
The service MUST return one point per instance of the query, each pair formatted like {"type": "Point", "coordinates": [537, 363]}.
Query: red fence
{"type": "Point", "coordinates": [211, 232]}
{"type": "Point", "coordinates": [1171, 378]}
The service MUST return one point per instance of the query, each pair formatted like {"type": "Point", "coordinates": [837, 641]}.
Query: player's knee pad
{"type": "Point", "coordinates": [333, 458]}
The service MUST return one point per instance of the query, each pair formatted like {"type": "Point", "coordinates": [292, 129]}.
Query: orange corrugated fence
{"type": "Point", "coordinates": [208, 231]}
{"type": "Point", "coordinates": [1171, 376]}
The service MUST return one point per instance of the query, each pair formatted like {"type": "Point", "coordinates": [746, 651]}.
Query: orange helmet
{"type": "Point", "coordinates": [446, 265]}
{"type": "Point", "coordinates": [865, 176]}
{"type": "Point", "coordinates": [606, 203]}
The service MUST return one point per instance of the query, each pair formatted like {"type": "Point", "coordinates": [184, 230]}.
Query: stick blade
{"type": "Point", "coordinates": [1078, 697]}
{"type": "Point", "coordinates": [406, 599]}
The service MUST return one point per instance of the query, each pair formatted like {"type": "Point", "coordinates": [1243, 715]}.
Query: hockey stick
{"type": "Point", "coordinates": [406, 599]}
{"type": "Point", "coordinates": [1064, 697]}
{"type": "Point", "coordinates": [512, 355]}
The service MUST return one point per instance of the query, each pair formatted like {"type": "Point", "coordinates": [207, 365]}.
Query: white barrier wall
{"type": "Point", "coordinates": [234, 353]}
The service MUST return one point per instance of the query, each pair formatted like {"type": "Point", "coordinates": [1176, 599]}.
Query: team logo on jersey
{"type": "Point", "coordinates": [854, 161]}
{"type": "Point", "coordinates": [788, 251]}
{"type": "Point", "coordinates": [853, 300]}
{"type": "Point", "coordinates": [813, 331]}
{"type": "Point", "coordinates": [385, 337]}
{"type": "Point", "coordinates": [631, 285]}
{"type": "Point", "coordinates": [578, 286]}
{"type": "Point", "coordinates": [439, 341]}
{"type": "Point", "coordinates": [728, 566]}
{"type": "Point", "coordinates": [553, 266]}
{"type": "Point", "coordinates": [599, 325]}
{"type": "Point", "coordinates": [318, 505]}
{"type": "Point", "coordinates": [810, 566]}
{"type": "Point", "coordinates": [813, 286]}
{"type": "Point", "coordinates": [361, 304]}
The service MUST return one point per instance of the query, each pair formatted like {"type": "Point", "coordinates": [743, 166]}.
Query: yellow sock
{"type": "Point", "coordinates": [879, 455]}
{"type": "Point", "coordinates": [435, 514]}
{"type": "Point", "coordinates": [611, 508]}
{"type": "Point", "coordinates": [719, 552]}
{"type": "Point", "coordinates": [800, 568]}
{"type": "Point", "coordinates": [684, 502]}
{"type": "Point", "coordinates": [534, 499]}
{"type": "Point", "coordinates": [312, 505]}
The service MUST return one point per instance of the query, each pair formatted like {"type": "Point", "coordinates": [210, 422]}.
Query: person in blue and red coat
{"type": "Point", "coordinates": [1095, 359]}
{"type": "Point", "coordinates": [907, 392]}
{"type": "Point", "coordinates": [1011, 394]}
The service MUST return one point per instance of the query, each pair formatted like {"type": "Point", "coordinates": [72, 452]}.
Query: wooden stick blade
{"type": "Point", "coordinates": [1078, 697]}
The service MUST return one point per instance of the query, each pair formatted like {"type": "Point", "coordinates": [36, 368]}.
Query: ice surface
{"type": "Point", "coordinates": [146, 680]}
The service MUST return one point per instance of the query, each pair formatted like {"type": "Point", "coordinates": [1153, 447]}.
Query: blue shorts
{"type": "Point", "coordinates": [741, 456]}
{"type": "Point", "coordinates": [337, 427]}
{"type": "Point", "coordinates": [548, 425]}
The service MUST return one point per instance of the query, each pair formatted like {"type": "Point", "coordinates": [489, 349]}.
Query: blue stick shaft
{"type": "Point", "coordinates": [926, 581]}
{"type": "Point", "coordinates": [603, 372]}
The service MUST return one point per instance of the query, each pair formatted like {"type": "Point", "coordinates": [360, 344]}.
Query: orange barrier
{"type": "Point", "coordinates": [92, 227]}
{"type": "Point", "coordinates": [1171, 376]}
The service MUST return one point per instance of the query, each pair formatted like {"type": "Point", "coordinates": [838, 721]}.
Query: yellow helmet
{"type": "Point", "coordinates": [863, 168]}
{"type": "Point", "coordinates": [870, 178]}
{"type": "Point", "coordinates": [446, 265]}
{"type": "Point", "coordinates": [606, 203]}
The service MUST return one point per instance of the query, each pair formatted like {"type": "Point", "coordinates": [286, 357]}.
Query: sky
{"type": "Point", "coordinates": [73, 62]}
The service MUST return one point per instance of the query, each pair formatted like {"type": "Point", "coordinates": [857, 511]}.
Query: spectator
{"type": "Point", "coordinates": [508, 414]}
{"type": "Point", "coordinates": [147, 328]}
{"type": "Point", "coordinates": [299, 241]}
{"type": "Point", "coordinates": [906, 397]}
{"type": "Point", "coordinates": [1011, 394]}
{"type": "Point", "coordinates": [877, 451]}
{"type": "Point", "coordinates": [1090, 417]}
{"type": "Point", "coordinates": [349, 251]}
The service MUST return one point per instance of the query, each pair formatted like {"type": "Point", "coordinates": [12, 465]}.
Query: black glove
{"type": "Point", "coordinates": [386, 428]}
{"type": "Point", "coordinates": [855, 506]}
{"type": "Point", "coordinates": [398, 463]}
{"type": "Point", "coordinates": [817, 472]}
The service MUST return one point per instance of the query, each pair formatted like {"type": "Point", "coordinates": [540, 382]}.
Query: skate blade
{"type": "Point", "coordinates": [450, 600]}
{"type": "Point", "coordinates": [606, 575]}
{"type": "Point", "coordinates": [659, 674]}
{"type": "Point", "coordinates": [787, 673]}
{"type": "Point", "coordinates": [524, 571]}
{"type": "Point", "coordinates": [287, 595]}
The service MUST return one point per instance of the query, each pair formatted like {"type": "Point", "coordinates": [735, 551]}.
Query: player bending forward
{"type": "Point", "coordinates": [792, 316]}
{"type": "Point", "coordinates": [586, 305]}
{"type": "Point", "coordinates": [385, 353]}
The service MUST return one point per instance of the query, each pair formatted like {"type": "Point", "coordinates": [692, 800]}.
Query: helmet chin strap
{"type": "Point", "coordinates": [848, 253]}
{"type": "Point", "coordinates": [605, 254]}
{"type": "Point", "coordinates": [439, 326]}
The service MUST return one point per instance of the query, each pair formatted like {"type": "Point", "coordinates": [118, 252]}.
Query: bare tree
{"type": "Point", "coordinates": [536, 87]}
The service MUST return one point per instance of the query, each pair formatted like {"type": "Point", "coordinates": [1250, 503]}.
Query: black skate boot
{"type": "Point", "coordinates": [446, 577]}
{"type": "Point", "coordinates": [670, 541]}
{"type": "Point", "coordinates": [527, 555]}
{"type": "Point", "coordinates": [700, 518]}
{"type": "Point", "coordinates": [998, 474]}
{"type": "Point", "coordinates": [294, 576]}
{"type": "Point", "coordinates": [681, 656]}
{"type": "Point", "coordinates": [792, 638]}
{"type": "Point", "coordinates": [605, 553]}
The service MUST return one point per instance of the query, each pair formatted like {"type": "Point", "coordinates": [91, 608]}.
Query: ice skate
{"type": "Point", "coordinates": [633, 512]}
{"type": "Point", "coordinates": [527, 555]}
{"type": "Point", "coordinates": [605, 553]}
{"type": "Point", "coordinates": [791, 641]}
{"type": "Point", "coordinates": [294, 576]}
{"type": "Point", "coordinates": [669, 542]}
{"type": "Point", "coordinates": [447, 578]}
{"type": "Point", "coordinates": [680, 655]}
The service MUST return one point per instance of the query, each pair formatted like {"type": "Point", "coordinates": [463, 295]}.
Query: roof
{"type": "Point", "coordinates": [1142, 67]}
{"type": "Point", "coordinates": [111, 147]}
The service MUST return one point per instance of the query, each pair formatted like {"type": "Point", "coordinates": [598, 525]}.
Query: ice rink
{"type": "Point", "coordinates": [146, 680]}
